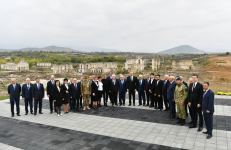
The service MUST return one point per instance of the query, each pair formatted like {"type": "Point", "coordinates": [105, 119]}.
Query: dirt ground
{"type": "Point", "coordinates": [218, 72]}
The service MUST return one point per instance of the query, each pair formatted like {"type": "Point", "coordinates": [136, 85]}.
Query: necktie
{"type": "Point", "coordinates": [38, 85]}
{"type": "Point", "coordinates": [193, 86]}
{"type": "Point", "coordinates": [28, 86]}
{"type": "Point", "coordinates": [205, 93]}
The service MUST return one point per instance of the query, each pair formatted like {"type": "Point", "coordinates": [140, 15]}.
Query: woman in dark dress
{"type": "Point", "coordinates": [66, 95]}
{"type": "Point", "coordinates": [94, 91]}
{"type": "Point", "coordinates": [58, 97]}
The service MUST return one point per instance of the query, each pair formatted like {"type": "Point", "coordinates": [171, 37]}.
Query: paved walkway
{"type": "Point", "coordinates": [111, 128]}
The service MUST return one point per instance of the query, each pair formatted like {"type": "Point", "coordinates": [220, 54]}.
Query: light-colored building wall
{"type": "Point", "coordinates": [155, 63]}
{"type": "Point", "coordinates": [21, 66]}
{"type": "Point", "coordinates": [99, 67]}
{"type": "Point", "coordinates": [44, 65]}
{"type": "Point", "coordinates": [182, 64]}
{"type": "Point", "coordinates": [62, 68]}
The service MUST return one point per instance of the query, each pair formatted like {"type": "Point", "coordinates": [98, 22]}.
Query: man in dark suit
{"type": "Point", "coordinates": [165, 87]}
{"type": "Point", "coordinates": [122, 90]}
{"type": "Point", "coordinates": [75, 93]}
{"type": "Point", "coordinates": [106, 83]}
{"type": "Point", "coordinates": [51, 92]}
{"type": "Point", "coordinates": [147, 91]}
{"type": "Point", "coordinates": [114, 88]}
{"type": "Point", "coordinates": [14, 90]}
{"type": "Point", "coordinates": [170, 96]}
{"type": "Point", "coordinates": [195, 102]}
{"type": "Point", "coordinates": [38, 94]}
{"type": "Point", "coordinates": [208, 109]}
{"type": "Point", "coordinates": [151, 89]}
{"type": "Point", "coordinates": [27, 94]}
{"type": "Point", "coordinates": [132, 87]}
{"type": "Point", "coordinates": [158, 99]}
{"type": "Point", "coordinates": [141, 90]}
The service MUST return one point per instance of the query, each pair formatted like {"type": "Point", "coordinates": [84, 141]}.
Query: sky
{"type": "Point", "coordinates": [125, 25]}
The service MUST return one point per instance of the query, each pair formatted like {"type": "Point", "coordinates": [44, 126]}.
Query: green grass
{"type": "Point", "coordinates": [3, 97]}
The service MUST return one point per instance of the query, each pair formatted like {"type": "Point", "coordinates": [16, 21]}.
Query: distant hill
{"type": "Point", "coordinates": [63, 49]}
{"type": "Point", "coordinates": [44, 49]}
{"type": "Point", "coordinates": [50, 49]}
{"type": "Point", "coordinates": [183, 49]}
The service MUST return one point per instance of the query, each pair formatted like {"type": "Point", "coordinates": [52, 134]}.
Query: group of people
{"type": "Point", "coordinates": [171, 94]}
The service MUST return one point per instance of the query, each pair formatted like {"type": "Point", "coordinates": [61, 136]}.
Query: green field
{"type": "Point", "coordinates": [3, 97]}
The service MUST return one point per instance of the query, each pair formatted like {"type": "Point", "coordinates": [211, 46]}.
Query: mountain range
{"type": "Point", "coordinates": [63, 49]}
{"type": "Point", "coordinates": [183, 49]}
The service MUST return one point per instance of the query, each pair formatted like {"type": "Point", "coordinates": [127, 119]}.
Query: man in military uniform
{"type": "Point", "coordinates": [180, 96]}
{"type": "Point", "coordinates": [85, 92]}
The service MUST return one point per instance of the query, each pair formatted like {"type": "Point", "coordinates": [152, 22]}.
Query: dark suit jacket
{"type": "Point", "coordinates": [106, 83]}
{"type": "Point", "coordinates": [165, 87]}
{"type": "Point", "coordinates": [132, 84]}
{"type": "Point", "coordinates": [38, 94]}
{"type": "Point", "coordinates": [141, 87]}
{"type": "Point", "coordinates": [50, 89]}
{"type": "Point", "coordinates": [196, 95]}
{"type": "Point", "coordinates": [114, 88]}
{"type": "Point", "coordinates": [75, 92]}
{"type": "Point", "coordinates": [147, 85]}
{"type": "Point", "coordinates": [158, 88]}
{"type": "Point", "coordinates": [27, 93]}
{"type": "Point", "coordinates": [151, 85]}
{"type": "Point", "coordinates": [58, 96]}
{"type": "Point", "coordinates": [64, 90]}
{"type": "Point", "coordinates": [94, 87]}
{"type": "Point", "coordinates": [122, 87]}
{"type": "Point", "coordinates": [208, 101]}
{"type": "Point", "coordinates": [170, 91]}
{"type": "Point", "coordinates": [14, 93]}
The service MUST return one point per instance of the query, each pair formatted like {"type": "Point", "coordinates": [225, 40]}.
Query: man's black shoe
{"type": "Point", "coordinates": [199, 129]}
{"type": "Point", "coordinates": [209, 136]}
{"type": "Point", "coordinates": [205, 132]}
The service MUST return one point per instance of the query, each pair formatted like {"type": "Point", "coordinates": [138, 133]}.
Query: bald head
{"type": "Point", "coordinates": [166, 77]}
{"type": "Point", "coordinates": [13, 80]}
{"type": "Point", "coordinates": [171, 78]}
{"type": "Point", "coordinates": [140, 76]}
{"type": "Point", "coordinates": [27, 80]}
{"type": "Point", "coordinates": [190, 80]}
{"type": "Point", "coordinates": [74, 80]}
{"type": "Point", "coordinates": [52, 77]}
{"type": "Point", "coordinates": [113, 76]}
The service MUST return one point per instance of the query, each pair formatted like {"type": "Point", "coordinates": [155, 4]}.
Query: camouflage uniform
{"type": "Point", "coordinates": [85, 91]}
{"type": "Point", "coordinates": [180, 95]}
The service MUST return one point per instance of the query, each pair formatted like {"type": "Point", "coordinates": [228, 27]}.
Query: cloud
{"type": "Point", "coordinates": [131, 25]}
